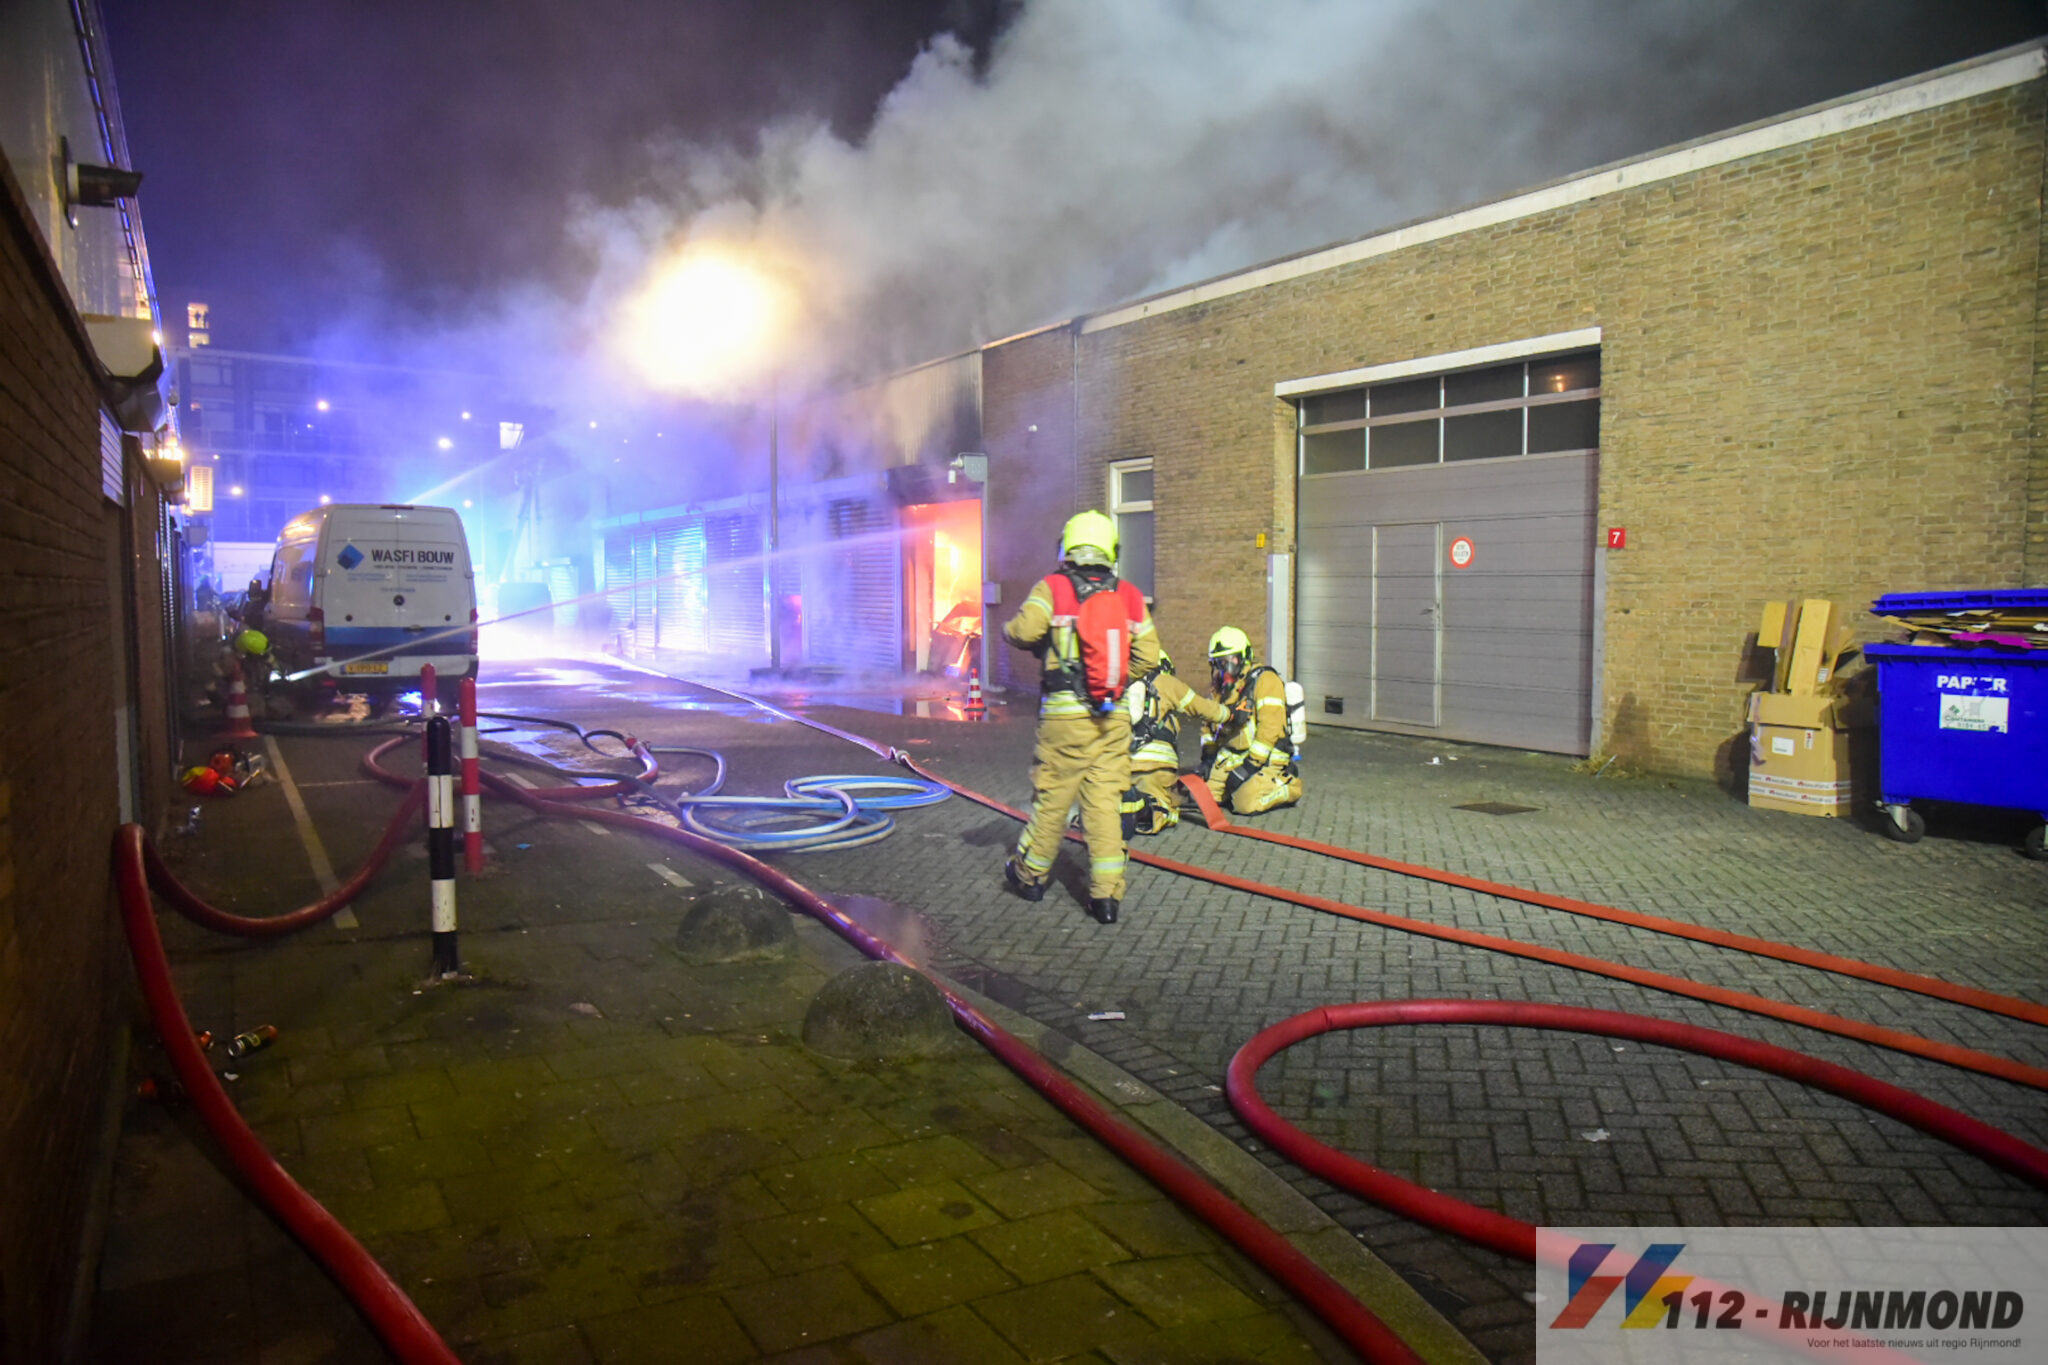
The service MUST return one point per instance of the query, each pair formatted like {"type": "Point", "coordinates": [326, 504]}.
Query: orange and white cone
{"type": "Point", "coordinates": [976, 708]}
{"type": "Point", "coordinates": [238, 725]}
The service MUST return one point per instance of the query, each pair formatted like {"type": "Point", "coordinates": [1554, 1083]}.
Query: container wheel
{"type": "Point", "coordinates": [1903, 823]}
{"type": "Point", "coordinates": [2035, 845]}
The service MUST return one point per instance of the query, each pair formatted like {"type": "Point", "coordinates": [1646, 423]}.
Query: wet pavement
{"type": "Point", "coordinates": [598, 1152]}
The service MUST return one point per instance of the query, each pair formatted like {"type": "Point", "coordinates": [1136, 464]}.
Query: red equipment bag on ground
{"type": "Point", "coordinates": [1103, 612]}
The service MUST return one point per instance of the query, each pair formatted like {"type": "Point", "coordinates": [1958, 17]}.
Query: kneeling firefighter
{"type": "Point", "coordinates": [1092, 634]}
{"type": "Point", "coordinates": [1156, 703]}
{"type": "Point", "coordinates": [1252, 761]}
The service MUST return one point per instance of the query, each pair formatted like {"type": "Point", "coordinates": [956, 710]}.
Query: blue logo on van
{"type": "Point", "coordinates": [349, 557]}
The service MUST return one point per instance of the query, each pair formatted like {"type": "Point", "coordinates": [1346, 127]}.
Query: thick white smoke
{"type": "Point", "coordinates": [1108, 150]}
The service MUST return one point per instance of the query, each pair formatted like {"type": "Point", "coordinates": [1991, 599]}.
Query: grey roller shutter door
{"type": "Point", "coordinates": [1511, 633]}
{"type": "Point", "coordinates": [853, 596]}
{"type": "Point", "coordinates": [735, 588]}
{"type": "Point", "coordinates": [618, 577]}
{"type": "Point", "coordinates": [646, 626]}
{"type": "Point", "coordinates": [681, 602]}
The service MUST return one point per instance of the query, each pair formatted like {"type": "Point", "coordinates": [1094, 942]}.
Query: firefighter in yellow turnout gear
{"type": "Point", "coordinates": [1084, 748]}
{"type": "Point", "coordinates": [1249, 761]}
{"type": "Point", "coordinates": [1152, 806]}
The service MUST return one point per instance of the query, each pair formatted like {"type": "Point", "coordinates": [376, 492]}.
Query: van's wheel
{"type": "Point", "coordinates": [2035, 845]}
{"type": "Point", "coordinates": [1903, 823]}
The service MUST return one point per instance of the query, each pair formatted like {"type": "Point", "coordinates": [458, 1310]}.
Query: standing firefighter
{"type": "Point", "coordinates": [1092, 633]}
{"type": "Point", "coordinates": [1151, 806]}
{"type": "Point", "coordinates": [1250, 761]}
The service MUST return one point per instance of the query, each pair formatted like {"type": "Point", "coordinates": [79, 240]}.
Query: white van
{"type": "Point", "coordinates": [362, 595]}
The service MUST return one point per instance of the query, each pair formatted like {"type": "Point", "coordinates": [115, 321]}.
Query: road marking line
{"type": "Point", "coordinates": [342, 782]}
{"type": "Point", "coordinates": [595, 828]}
{"type": "Point", "coordinates": [670, 875]}
{"type": "Point", "coordinates": [316, 852]}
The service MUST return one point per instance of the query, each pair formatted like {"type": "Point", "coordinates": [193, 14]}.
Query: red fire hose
{"type": "Point", "coordinates": [1352, 1320]}
{"type": "Point", "coordinates": [181, 898]}
{"type": "Point", "coordinates": [1512, 1236]}
{"type": "Point", "coordinates": [2011, 1006]}
{"type": "Point", "coordinates": [1360, 1328]}
{"type": "Point", "coordinates": [394, 1317]}
{"type": "Point", "coordinates": [1967, 1058]}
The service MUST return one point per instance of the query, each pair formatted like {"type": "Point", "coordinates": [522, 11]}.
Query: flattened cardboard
{"type": "Point", "coordinates": [1810, 646]}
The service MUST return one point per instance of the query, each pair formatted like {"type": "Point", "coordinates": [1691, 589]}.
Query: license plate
{"type": "Point", "coordinates": [379, 667]}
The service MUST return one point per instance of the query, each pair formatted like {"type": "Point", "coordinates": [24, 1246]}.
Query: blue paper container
{"type": "Point", "coordinates": [1966, 725]}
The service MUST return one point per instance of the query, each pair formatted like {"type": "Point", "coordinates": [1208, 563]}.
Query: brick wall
{"type": "Point", "coordinates": [1819, 368]}
{"type": "Point", "coordinates": [62, 961]}
{"type": "Point", "coordinates": [1027, 428]}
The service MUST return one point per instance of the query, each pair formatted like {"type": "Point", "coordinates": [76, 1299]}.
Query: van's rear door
{"type": "Point", "coordinates": [398, 594]}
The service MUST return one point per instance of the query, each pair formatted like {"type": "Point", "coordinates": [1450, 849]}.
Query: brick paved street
{"type": "Point", "coordinates": [1549, 1127]}
{"type": "Point", "coordinates": [1496, 1116]}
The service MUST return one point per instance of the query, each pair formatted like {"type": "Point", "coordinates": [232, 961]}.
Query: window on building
{"type": "Point", "coordinates": [1130, 502]}
{"type": "Point", "coordinates": [1547, 405]}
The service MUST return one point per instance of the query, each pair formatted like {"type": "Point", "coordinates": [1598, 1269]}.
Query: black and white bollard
{"type": "Point", "coordinates": [441, 843]}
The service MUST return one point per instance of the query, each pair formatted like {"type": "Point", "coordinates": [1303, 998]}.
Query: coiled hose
{"type": "Point", "coordinates": [814, 815]}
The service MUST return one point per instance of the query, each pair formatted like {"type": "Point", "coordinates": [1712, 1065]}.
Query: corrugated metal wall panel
{"type": "Point", "coordinates": [113, 482]}
{"type": "Point", "coordinates": [1516, 624]}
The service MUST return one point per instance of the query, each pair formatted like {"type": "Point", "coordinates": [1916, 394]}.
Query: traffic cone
{"type": "Point", "coordinates": [238, 726]}
{"type": "Point", "coordinates": [976, 708]}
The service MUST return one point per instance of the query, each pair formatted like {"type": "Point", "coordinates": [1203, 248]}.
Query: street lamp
{"type": "Point", "coordinates": [707, 324]}
{"type": "Point", "coordinates": [710, 323]}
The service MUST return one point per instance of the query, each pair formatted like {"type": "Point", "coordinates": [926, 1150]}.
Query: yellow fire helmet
{"type": "Point", "coordinates": [1088, 538]}
{"type": "Point", "coordinates": [1228, 641]}
{"type": "Point", "coordinates": [253, 642]}
{"type": "Point", "coordinates": [1230, 658]}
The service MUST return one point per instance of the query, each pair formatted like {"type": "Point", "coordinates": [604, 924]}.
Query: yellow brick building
{"type": "Point", "coordinates": [1819, 343]}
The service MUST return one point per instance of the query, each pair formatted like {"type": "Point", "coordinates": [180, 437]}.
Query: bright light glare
{"type": "Point", "coordinates": [467, 503]}
{"type": "Point", "coordinates": [324, 499]}
{"type": "Point", "coordinates": [235, 490]}
{"type": "Point", "coordinates": [322, 405]}
{"type": "Point", "coordinates": [465, 417]}
{"type": "Point", "coordinates": [445, 443]}
{"type": "Point", "coordinates": [706, 324]}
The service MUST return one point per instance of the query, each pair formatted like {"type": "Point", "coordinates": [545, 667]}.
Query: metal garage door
{"type": "Point", "coordinates": [1454, 600]}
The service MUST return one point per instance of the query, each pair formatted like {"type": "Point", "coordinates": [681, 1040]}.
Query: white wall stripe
{"type": "Point", "coordinates": [1435, 364]}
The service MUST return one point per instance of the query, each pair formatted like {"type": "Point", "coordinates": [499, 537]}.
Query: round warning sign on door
{"type": "Point", "coordinates": [1461, 552]}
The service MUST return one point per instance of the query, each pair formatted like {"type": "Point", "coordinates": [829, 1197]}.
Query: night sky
{"type": "Point", "coordinates": [302, 155]}
{"type": "Point", "coordinates": [409, 163]}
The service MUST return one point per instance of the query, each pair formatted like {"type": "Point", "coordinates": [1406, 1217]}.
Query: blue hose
{"type": "Point", "coordinates": [817, 814]}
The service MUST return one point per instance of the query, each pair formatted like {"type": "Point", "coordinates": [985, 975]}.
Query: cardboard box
{"type": "Point", "coordinates": [1795, 711]}
{"type": "Point", "coordinates": [1798, 768]}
